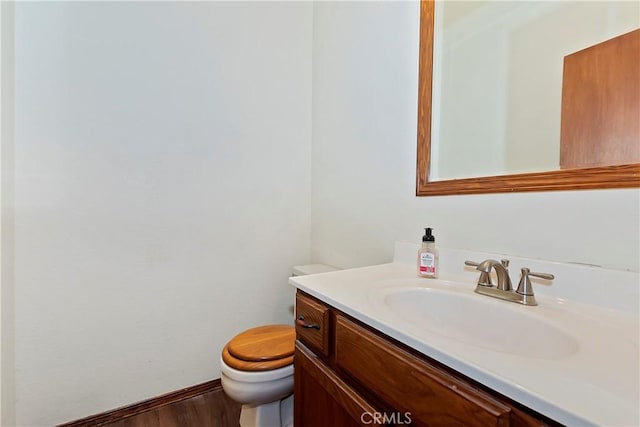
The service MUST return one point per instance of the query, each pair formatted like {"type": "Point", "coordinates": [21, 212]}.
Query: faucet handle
{"type": "Point", "coordinates": [526, 289]}
{"type": "Point", "coordinates": [471, 263]}
{"type": "Point", "coordinates": [546, 276]}
{"type": "Point", "coordinates": [505, 263]}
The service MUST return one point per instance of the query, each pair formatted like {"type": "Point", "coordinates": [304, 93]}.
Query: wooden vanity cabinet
{"type": "Point", "coordinates": [348, 374]}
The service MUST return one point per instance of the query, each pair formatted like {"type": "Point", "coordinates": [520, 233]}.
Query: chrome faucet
{"type": "Point", "coordinates": [504, 290]}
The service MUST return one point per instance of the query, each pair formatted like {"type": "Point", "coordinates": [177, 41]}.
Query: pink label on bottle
{"type": "Point", "coordinates": [427, 263]}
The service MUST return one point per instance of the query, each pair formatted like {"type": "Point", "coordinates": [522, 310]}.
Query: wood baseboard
{"type": "Point", "coordinates": [146, 405]}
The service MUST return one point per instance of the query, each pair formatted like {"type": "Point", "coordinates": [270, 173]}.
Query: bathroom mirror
{"type": "Point", "coordinates": [435, 86]}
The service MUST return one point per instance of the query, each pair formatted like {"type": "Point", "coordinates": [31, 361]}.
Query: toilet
{"type": "Point", "coordinates": [257, 369]}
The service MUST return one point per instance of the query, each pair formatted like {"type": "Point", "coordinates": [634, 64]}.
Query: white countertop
{"type": "Point", "coordinates": [595, 385]}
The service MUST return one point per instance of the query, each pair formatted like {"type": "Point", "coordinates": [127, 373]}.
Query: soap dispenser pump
{"type": "Point", "coordinates": [428, 256]}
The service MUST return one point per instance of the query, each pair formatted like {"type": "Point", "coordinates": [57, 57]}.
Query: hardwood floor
{"type": "Point", "coordinates": [212, 409]}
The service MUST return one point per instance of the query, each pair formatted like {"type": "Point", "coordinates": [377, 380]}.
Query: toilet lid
{"type": "Point", "coordinates": [243, 365]}
{"type": "Point", "coordinates": [264, 343]}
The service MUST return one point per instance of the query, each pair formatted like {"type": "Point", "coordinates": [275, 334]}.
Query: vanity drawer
{"type": "Point", "coordinates": [312, 323]}
{"type": "Point", "coordinates": [409, 384]}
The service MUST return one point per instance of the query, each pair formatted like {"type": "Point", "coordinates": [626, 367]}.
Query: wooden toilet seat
{"type": "Point", "coordinates": [261, 349]}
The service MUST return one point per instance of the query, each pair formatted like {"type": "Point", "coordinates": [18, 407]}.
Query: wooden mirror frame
{"type": "Point", "coordinates": [620, 176]}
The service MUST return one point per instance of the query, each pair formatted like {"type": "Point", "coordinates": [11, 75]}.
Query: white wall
{"type": "Point", "coordinates": [363, 159]}
{"type": "Point", "coordinates": [7, 282]}
{"type": "Point", "coordinates": [162, 187]}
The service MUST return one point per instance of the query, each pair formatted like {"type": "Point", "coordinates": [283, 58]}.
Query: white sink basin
{"type": "Point", "coordinates": [480, 321]}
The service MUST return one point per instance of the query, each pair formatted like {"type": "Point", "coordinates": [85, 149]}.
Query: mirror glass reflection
{"type": "Point", "coordinates": [497, 77]}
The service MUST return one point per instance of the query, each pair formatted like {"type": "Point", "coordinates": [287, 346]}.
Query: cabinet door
{"type": "Point", "coordinates": [429, 394]}
{"type": "Point", "coordinates": [322, 399]}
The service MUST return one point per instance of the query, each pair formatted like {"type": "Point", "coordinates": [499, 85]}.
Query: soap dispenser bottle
{"type": "Point", "coordinates": [428, 256]}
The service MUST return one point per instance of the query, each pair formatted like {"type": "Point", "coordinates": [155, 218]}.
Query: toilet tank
{"type": "Point", "coordinates": [303, 270]}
